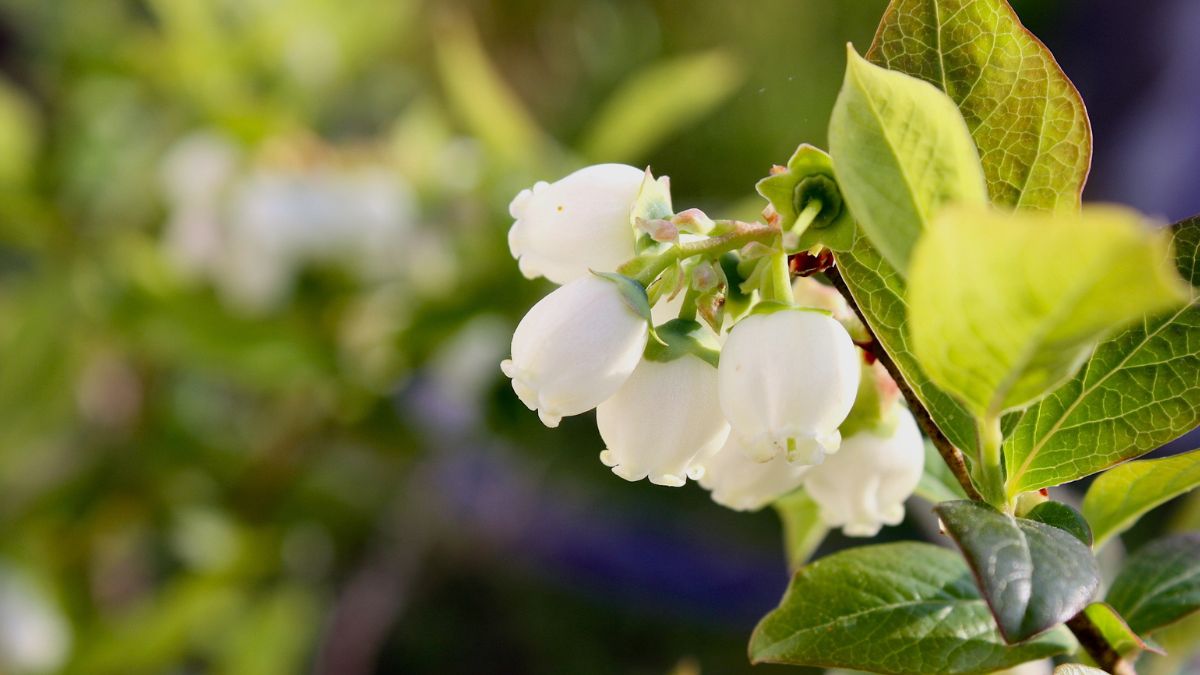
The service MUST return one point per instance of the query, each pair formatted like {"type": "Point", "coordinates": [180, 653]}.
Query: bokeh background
{"type": "Point", "coordinates": [254, 289]}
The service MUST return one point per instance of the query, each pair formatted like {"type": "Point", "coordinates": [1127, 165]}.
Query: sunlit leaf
{"type": "Point", "coordinates": [999, 317]}
{"type": "Point", "coordinates": [1027, 119]}
{"type": "Point", "coordinates": [1140, 389]}
{"type": "Point", "coordinates": [900, 151]}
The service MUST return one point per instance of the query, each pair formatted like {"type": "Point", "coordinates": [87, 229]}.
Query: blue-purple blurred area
{"type": "Point", "coordinates": [254, 290]}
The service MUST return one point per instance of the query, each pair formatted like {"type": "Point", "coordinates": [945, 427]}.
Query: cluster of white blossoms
{"type": "Point", "coordinates": [750, 405]}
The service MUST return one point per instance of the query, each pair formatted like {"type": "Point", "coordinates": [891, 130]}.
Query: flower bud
{"type": "Point", "coordinates": [786, 382]}
{"type": "Point", "coordinates": [740, 483]}
{"type": "Point", "coordinates": [577, 224]}
{"type": "Point", "coordinates": [864, 485]}
{"type": "Point", "coordinates": [663, 421]}
{"type": "Point", "coordinates": [575, 348]}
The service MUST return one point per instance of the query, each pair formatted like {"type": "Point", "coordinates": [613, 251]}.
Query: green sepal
{"type": "Point", "coordinates": [653, 200]}
{"type": "Point", "coordinates": [1058, 514]}
{"type": "Point", "coordinates": [737, 302]}
{"type": "Point", "coordinates": [632, 292]}
{"type": "Point", "coordinates": [809, 175]}
{"type": "Point", "coordinates": [872, 411]}
{"type": "Point", "coordinates": [681, 337]}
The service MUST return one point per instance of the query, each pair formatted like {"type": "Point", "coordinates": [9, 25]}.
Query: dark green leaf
{"type": "Point", "coordinates": [1033, 576]}
{"type": "Point", "coordinates": [1139, 389]}
{"type": "Point", "coordinates": [1025, 115]}
{"type": "Point", "coordinates": [1160, 584]}
{"type": "Point", "coordinates": [1058, 514]}
{"type": "Point", "coordinates": [1124, 493]}
{"type": "Point", "coordinates": [895, 608]}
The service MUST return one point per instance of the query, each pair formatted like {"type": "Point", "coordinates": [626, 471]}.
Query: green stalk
{"type": "Point", "coordinates": [990, 470]}
{"type": "Point", "coordinates": [780, 286]}
{"type": "Point", "coordinates": [739, 236]}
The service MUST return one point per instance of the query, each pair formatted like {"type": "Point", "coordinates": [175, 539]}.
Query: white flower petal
{"type": "Point", "coordinates": [864, 486]}
{"type": "Point", "coordinates": [664, 419]}
{"type": "Point", "coordinates": [575, 348]}
{"type": "Point", "coordinates": [786, 381]}
{"type": "Point", "coordinates": [576, 224]}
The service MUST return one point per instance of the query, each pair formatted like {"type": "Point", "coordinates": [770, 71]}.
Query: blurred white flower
{"type": "Point", "coordinates": [579, 223]}
{"type": "Point", "coordinates": [864, 485]}
{"type": "Point", "coordinates": [251, 230]}
{"type": "Point", "coordinates": [786, 381]}
{"type": "Point", "coordinates": [740, 483]}
{"type": "Point", "coordinates": [663, 422]}
{"type": "Point", "coordinates": [575, 348]}
{"type": "Point", "coordinates": [34, 635]}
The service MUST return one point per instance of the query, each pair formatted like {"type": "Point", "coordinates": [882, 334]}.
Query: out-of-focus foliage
{"type": "Point", "coordinates": [238, 241]}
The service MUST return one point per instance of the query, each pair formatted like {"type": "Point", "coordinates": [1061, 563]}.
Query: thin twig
{"type": "Point", "coordinates": [950, 454]}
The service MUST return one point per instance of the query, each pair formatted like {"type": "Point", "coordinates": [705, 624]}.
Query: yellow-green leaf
{"type": "Point", "coordinates": [1004, 307]}
{"type": "Point", "coordinates": [1139, 389]}
{"type": "Point", "coordinates": [1027, 119]}
{"type": "Point", "coordinates": [900, 151]}
{"type": "Point", "coordinates": [1123, 494]}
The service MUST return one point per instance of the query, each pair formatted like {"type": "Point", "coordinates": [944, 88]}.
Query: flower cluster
{"type": "Point", "coordinates": [753, 403]}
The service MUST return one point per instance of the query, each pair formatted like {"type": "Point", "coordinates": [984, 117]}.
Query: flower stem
{"type": "Point", "coordinates": [738, 236]}
{"type": "Point", "coordinates": [780, 285]}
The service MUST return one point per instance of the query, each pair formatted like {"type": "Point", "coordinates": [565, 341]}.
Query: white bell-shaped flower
{"type": "Point", "coordinates": [787, 380]}
{"type": "Point", "coordinates": [575, 348]}
{"type": "Point", "coordinates": [742, 484]}
{"type": "Point", "coordinates": [663, 421]}
{"type": "Point", "coordinates": [579, 223]}
{"type": "Point", "coordinates": [863, 487]}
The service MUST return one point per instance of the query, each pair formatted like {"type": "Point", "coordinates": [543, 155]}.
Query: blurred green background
{"type": "Point", "coordinates": [254, 288]}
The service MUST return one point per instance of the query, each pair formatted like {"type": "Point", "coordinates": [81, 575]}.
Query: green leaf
{"type": "Point", "coordinates": [895, 608]}
{"type": "Point", "coordinates": [879, 291]}
{"type": "Point", "coordinates": [1058, 514]}
{"type": "Point", "coordinates": [1160, 584]}
{"type": "Point", "coordinates": [1037, 158]}
{"type": "Point", "coordinates": [900, 151]}
{"type": "Point", "coordinates": [1125, 493]}
{"type": "Point", "coordinates": [1114, 630]}
{"type": "Point", "coordinates": [659, 101]}
{"type": "Point", "coordinates": [937, 484]}
{"type": "Point", "coordinates": [998, 317]}
{"type": "Point", "coordinates": [803, 529]}
{"type": "Point", "coordinates": [1026, 117]}
{"type": "Point", "coordinates": [1094, 421]}
{"type": "Point", "coordinates": [1033, 576]}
